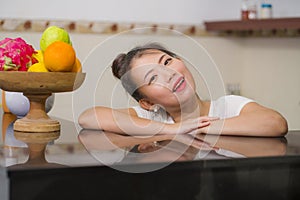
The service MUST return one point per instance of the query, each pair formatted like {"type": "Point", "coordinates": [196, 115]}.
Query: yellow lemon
{"type": "Point", "coordinates": [38, 67]}
{"type": "Point", "coordinates": [38, 56]}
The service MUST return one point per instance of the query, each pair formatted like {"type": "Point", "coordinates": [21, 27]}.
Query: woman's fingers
{"type": "Point", "coordinates": [203, 124]}
{"type": "Point", "coordinates": [205, 121]}
{"type": "Point", "coordinates": [191, 125]}
{"type": "Point", "coordinates": [206, 118]}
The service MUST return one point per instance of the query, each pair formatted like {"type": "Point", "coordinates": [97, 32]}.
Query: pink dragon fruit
{"type": "Point", "coordinates": [15, 55]}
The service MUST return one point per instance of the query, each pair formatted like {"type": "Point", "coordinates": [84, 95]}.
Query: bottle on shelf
{"type": "Point", "coordinates": [248, 10]}
{"type": "Point", "coordinates": [266, 11]}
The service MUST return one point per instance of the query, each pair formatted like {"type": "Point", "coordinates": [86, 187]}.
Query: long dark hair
{"type": "Point", "coordinates": [122, 64]}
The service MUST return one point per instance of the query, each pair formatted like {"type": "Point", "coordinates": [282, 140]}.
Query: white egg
{"type": "Point", "coordinates": [19, 105]}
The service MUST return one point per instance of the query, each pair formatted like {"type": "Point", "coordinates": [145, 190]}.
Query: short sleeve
{"type": "Point", "coordinates": [228, 106]}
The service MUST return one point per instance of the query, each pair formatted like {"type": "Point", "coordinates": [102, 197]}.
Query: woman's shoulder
{"type": "Point", "coordinates": [233, 98]}
{"type": "Point", "coordinates": [228, 105]}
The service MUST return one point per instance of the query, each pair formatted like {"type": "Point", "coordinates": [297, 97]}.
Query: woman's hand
{"type": "Point", "coordinates": [177, 143]}
{"type": "Point", "coordinates": [190, 126]}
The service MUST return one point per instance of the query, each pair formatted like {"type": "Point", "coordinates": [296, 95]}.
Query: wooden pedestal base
{"type": "Point", "coordinates": [37, 125]}
{"type": "Point", "coordinates": [37, 119]}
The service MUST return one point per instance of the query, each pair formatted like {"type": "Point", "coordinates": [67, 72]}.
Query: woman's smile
{"type": "Point", "coordinates": [179, 85]}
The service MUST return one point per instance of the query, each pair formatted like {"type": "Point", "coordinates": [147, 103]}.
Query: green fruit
{"type": "Point", "coordinates": [52, 34]}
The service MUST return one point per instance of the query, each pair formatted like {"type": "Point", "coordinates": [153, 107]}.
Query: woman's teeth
{"type": "Point", "coordinates": [178, 84]}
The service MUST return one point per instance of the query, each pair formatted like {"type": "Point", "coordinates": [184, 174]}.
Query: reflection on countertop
{"type": "Point", "coordinates": [41, 150]}
{"type": "Point", "coordinates": [110, 148]}
{"type": "Point", "coordinates": [93, 148]}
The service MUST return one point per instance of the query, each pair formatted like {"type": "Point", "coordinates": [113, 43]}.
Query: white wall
{"type": "Point", "coordinates": [150, 11]}
{"type": "Point", "coordinates": [271, 74]}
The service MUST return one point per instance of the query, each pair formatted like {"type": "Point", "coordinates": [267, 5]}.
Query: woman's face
{"type": "Point", "coordinates": [162, 79]}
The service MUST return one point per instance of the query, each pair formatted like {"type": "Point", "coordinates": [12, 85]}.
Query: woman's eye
{"type": "Point", "coordinates": [167, 61]}
{"type": "Point", "coordinates": [152, 79]}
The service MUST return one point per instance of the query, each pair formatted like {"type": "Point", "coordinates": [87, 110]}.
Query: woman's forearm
{"type": "Point", "coordinates": [248, 146]}
{"type": "Point", "coordinates": [259, 123]}
{"type": "Point", "coordinates": [127, 122]}
{"type": "Point", "coordinates": [103, 118]}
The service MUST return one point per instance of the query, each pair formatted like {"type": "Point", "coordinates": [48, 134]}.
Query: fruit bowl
{"type": "Point", "coordinates": [40, 82]}
{"type": "Point", "coordinates": [37, 87]}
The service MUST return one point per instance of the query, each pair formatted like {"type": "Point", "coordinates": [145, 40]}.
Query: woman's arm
{"type": "Point", "coordinates": [248, 146]}
{"type": "Point", "coordinates": [126, 121]}
{"type": "Point", "coordinates": [254, 120]}
{"type": "Point", "coordinates": [103, 140]}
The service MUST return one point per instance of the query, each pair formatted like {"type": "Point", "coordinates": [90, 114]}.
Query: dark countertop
{"type": "Point", "coordinates": [86, 164]}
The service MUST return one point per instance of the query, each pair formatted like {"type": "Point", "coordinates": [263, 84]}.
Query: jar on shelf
{"type": "Point", "coordinates": [266, 11]}
{"type": "Point", "coordinates": [248, 10]}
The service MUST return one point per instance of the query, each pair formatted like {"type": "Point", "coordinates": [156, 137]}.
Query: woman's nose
{"type": "Point", "coordinates": [168, 74]}
{"type": "Point", "coordinates": [171, 77]}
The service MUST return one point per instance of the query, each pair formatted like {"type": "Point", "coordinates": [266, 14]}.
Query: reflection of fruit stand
{"type": "Point", "coordinates": [7, 119]}
{"type": "Point", "coordinates": [12, 147]}
{"type": "Point", "coordinates": [24, 148]}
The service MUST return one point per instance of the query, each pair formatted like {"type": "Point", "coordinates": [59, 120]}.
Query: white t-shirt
{"type": "Point", "coordinates": [224, 107]}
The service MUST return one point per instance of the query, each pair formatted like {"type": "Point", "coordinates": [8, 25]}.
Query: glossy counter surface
{"type": "Point", "coordinates": [85, 164]}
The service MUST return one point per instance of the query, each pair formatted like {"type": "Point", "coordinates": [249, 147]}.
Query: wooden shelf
{"type": "Point", "coordinates": [275, 26]}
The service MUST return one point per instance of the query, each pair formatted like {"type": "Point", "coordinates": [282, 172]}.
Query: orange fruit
{"type": "Point", "coordinates": [77, 66]}
{"type": "Point", "coordinates": [4, 106]}
{"type": "Point", "coordinates": [59, 57]}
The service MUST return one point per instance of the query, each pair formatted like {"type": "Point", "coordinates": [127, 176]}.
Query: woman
{"type": "Point", "coordinates": [168, 104]}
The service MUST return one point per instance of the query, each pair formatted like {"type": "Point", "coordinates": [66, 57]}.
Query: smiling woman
{"type": "Point", "coordinates": [168, 103]}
